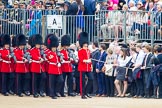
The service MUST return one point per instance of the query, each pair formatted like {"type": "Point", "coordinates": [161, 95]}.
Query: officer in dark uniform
{"type": "Point", "coordinates": [85, 66]}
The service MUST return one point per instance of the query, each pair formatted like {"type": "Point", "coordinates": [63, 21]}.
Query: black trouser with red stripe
{"type": "Point", "coordinates": [38, 82]}
{"type": "Point", "coordinates": [69, 82]}
{"type": "Point", "coordinates": [7, 82]}
{"type": "Point", "coordinates": [86, 87]}
{"type": "Point", "coordinates": [55, 84]}
{"type": "Point", "coordinates": [0, 82]}
{"type": "Point", "coordinates": [22, 82]}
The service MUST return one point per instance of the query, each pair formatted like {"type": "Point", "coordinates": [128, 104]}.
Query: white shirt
{"type": "Point", "coordinates": [140, 58]}
{"type": "Point", "coordinates": [122, 62]}
{"type": "Point", "coordinates": [134, 56]}
{"type": "Point", "coordinates": [10, 2]}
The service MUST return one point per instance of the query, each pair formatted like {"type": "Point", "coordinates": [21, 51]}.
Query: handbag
{"type": "Point", "coordinates": [108, 69]}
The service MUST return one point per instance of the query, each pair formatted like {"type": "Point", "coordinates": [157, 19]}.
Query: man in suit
{"type": "Point", "coordinates": [157, 62]}
{"type": "Point", "coordinates": [94, 55]}
{"type": "Point", "coordinates": [146, 66]}
{"type": "Point", "coordinates": [100, 75]}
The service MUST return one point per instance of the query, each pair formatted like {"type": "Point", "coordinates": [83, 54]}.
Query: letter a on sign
{"type": "Point", "coordinates": [54, 21]}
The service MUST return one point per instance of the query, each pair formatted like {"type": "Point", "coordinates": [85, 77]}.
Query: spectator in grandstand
{"type": "Point", "coordinates": [22, 5]}
{"type": "Point", "coordinates": [139, 5]}
{"type": "Point", "coordinates": [90, 7]}
{"type": "Point", "coordinates": [16, 18]}
{"type": "Point", "coordinates": [109, 5]}
{"type": "Point", "coordinates": [132, 4]}
{"type": "Point", "coordinates": [155, 4]}
{"type": "Point", "coordinates": [9, 2]}
{"type": "Point", "coordinates": [140, 25]}
{"type": "Point", "coordinates": [158, 20]}
{"type": "Point", "coordinates": [2, 13]}
{"type": "Point", "coordinates": [151, 6]}
{"type": "Point", "coordinates": [49, 10]}
{"type": "Point", "coordinates": [16, 5]}
{"type": "Point", "coordinates": [41, 5]}
{"type": "Point", "coordinates": [79, 18]}
{"type": "Point", "coordinates": [147, 5]}
{"type": "Point", "coordinates": [121, 4]}
{"type": "Point", "coordinates": [112, 23]}
{"type": "Point", "coordinates": [72, 9]}
{"type": "Point", "coordinates": [130, 18]}
{"type": "Point", "coordinates": [35, 21]}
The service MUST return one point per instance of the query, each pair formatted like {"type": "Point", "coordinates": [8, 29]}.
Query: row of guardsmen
{"type": "Point", "coordinates": [25, 70]}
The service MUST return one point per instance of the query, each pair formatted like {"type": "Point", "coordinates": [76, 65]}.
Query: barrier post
{"type": "Point", "coordinates": [152, 29]}
{"type": "Point", "coordinates": [124, 24]}
{"type": "Point", "coordinates": [43, 27]}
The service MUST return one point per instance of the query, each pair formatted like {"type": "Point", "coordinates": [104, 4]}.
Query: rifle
{"type": "Point", "coordinates": [12, 54]}
{"type": "Point", "coordinates": [43, 54]}
{"type": "Point", "coordinates": [27, 54]}
{"type": "Point", "coordinates": [60, 55]}
{"type": "Point", "coordinates": [72, 55]}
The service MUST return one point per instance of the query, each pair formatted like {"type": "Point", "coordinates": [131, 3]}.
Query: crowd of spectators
{"type": "Point", "coordinates": [111, 23]}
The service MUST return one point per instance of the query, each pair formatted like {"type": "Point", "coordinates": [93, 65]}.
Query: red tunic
{"type": "Point", "coordinates": [0, 58]}
{"type": "Point", "coordinates": [84, 55]}
{"type": "Point", "coordinates": [36, 64]}
{"type": "Point", "coordinates": [6, 61]}
{"type": "Point", "coordinates": [20, 66]}
{"type": "Point", "coordinates": [66, 67]}
{"type": "Point", "coordinates": [54, 60]}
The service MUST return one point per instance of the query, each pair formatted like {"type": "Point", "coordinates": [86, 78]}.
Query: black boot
{"type": "Point", "coordinates": [84, 97]}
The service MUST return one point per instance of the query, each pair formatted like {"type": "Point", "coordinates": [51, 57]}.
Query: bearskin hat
{"type": "Point", "coordinates": [65, 40]}
{"type": "Point", "coordinates": [21, 39]}
{"type": "Point", "coordinates": [37, 39]}
{"type": "Point", "coordinates": [46, 38]}
{"type": "Point", "coordinates": [0, 40]}
{"type": "Point", "coordinates": [83, 38]}
{"type": "Point", "coordinates": [30, 41]}
{"type": "Point", "coordinates": [5, 39]}
{"type": "Point", "coordinates": [52, 41]}
{"type": "Point", "coordinates": [13, 41]}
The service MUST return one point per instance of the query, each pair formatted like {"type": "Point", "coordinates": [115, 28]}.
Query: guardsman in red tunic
{"type": "Point", "coordinates": [54, 67]}
{"type": "Point", "coordinates": [45, 52]}
{"type": "Point", "coordinates": [6, 70]}
{"type": "Point", "coordinates": [84, 66]}
{"type": "Point", "coordinates": [67, 66]}
{"type": "Point", "coordinates": [20, 67]}
{"type": "Point", "coordinates": [0, 65]}
{"type": "Point", "coordinates": [36, 67]}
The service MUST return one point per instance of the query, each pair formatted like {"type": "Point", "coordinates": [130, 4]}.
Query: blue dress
{"type": "Point", "coordinates": [80, 20]}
